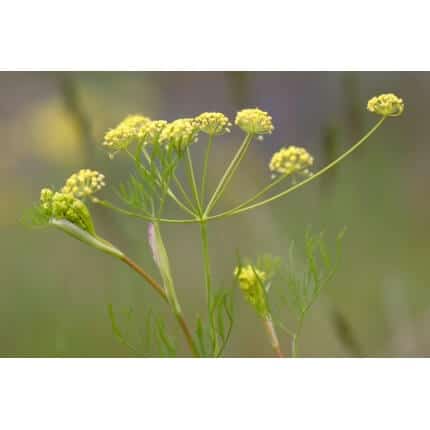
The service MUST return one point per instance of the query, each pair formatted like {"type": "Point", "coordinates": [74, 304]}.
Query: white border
{"type": "Point", "coordinates": [213, 394]}
{"type": "Point", "coordinates": [221, 35]}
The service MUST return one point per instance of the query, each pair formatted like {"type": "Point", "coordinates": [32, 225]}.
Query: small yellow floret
{"type": "Point", "coordinates": [291, 160]}
{"type": "Point", "coordinates": [151, 131]}
{"type": "Point", "coordinates": [213, 123]}
{"type": "Point", "coordinates": [180, 133]}
{"type": "Point", "coordinates": [84, 183]}
{"type": "Point", "coordinates": [126, 132]}
{"type": "Point", "coordinates": [254, 121]}
{"type": "Point", "coordinates": [386, 105]}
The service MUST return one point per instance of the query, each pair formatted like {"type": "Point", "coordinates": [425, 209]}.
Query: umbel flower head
{"type": "Point", "coordinates": [251, 282]}
{"type": "Point", "coordinates": [180, 133]}
{"type": "Point", "coordinates": [386, 105]}
{"type": "Point", "coordinates": [150, 132]}
{"type": "Point", "coordinates": [254, 121]}
{"type": "Point", "coordinates": [66, 206]}
{"type": "Point", "coordinates": [213, 123]}
{"type": "Point", "coordinates": [84, 183]}
{"type": "Point", "coordinates": [291, 160]}
{"type": "Point", "coordinates": [125, 133]}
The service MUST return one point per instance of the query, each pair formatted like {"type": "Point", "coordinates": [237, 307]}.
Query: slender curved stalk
{"type": "Point", "coordinates": [271, 331]}
{"type": "Point", "coordinates": [157, 287]}
{"type": "Point", "coordinates": [307, 180]}
{"type": "Point", "coordinates": [161, 291]}
{"type": "Point", "coordinates": [228, 174]}
{"type": "Point", "coordinates": [205, 170]}
{"type": "Point", "coordinates": [259, 194]}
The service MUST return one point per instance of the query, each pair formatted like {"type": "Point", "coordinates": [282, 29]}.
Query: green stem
{"type": "Point", "coordinates": [192, 179]}
{"type": "Point", "coordinates": [205, 170]}
{"type": "Point", "coordinates": [307, 180]}
{"type": "Point", "coordinates": [294, 348]}
{"type": "Point", "coordinates": [228, 174]}
{"type": "Point", "coordinates": [208, 283]}
{"type": "Point", "coordinates": [259, 194]}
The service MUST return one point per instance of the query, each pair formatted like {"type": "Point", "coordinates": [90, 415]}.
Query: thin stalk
{"type": "Point", "coordinates": [208, 282]}
{"type": "Point", "coordinates": [192, 178]}
{"type": "Point", "coordinates": [205, 170]}
{"type": "Point", "coordinates": [307, 180]}
{"type": "Point", "coordinates": [152, 282]}
{"type": "Point", "coordinates": [145, 217]}
{"type": "Point", "coordinates": [294, 348]}
{"type": "Point", "coordinates": [228, 174]}
{"type": "Point", "coordinates": [259, 194]}
{"type": "Point", "coordinates": [184, 193]}
{"type": "Point", "coordinates": [271, 331]}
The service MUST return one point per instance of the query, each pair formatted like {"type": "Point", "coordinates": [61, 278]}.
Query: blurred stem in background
{"type": "Point", "coordinates": [350, 85]}
{"type": "Point", "coordinates": [70, 95]}
{"type": "Point", "coordinates": [238, 84]}
{"type": "Point", "coordinates": [345, 333]}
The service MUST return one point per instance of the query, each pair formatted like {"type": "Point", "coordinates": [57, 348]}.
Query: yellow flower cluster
{"type": "Point", "coordinates": [151, 131]}
{"type": "Point", "coordinates": [386, 105]}
{"type": "Point", "coordinates": [213, 123]}
{"type": "Point", "coordinates": [66, 206]}
{"type": "Point", "coordinates": [125, 132]}
{"type": "Point", "coordinates": [84, 183]}
{"type": "Point", "coordinates": [180, 133]}
{"type": "Point", "coordinates": [254, 121]}
{"type": "Point", "coordinates": [291, 160]}
{"type": "Point", "coordinates": [251, 282]}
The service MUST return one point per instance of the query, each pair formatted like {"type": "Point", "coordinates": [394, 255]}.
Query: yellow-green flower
{"type": "Point", "coordinates": [213, 123]}
{"type": "Point", "coordinates": [254, 121]}
{"type": "Point", "coordinates": [180, 133]}
{"type": "Point", "coordinates": [125, 133]}
{"type": "Point", "coordinates": [251, 282]}
{"type": "Point", "coordinates": [291, 160]}
{"type": "Point", "coordinates": [84, 183]}
{"type": "Point", "coordinates": [386, 105]}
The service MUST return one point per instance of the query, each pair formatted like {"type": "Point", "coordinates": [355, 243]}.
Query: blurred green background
{"type": "Point", "coordinates": [55, 291]}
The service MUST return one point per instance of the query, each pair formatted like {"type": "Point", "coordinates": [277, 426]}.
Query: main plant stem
{"type": "Point", "coordinates": [208, 282]}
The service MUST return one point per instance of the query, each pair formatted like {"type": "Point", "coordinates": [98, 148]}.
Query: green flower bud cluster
{"type": "Point", "coordinates": [213, 123]}
{"type": "Point", "coordinates": [386, 105]}
{"type": "Point", "coordinates": [254, 121]}
{"type": "Point", "coordinates": [65, 206]}
{"type": "Point", "coordinates": [291, 160]}
{"type": "Point", "coordinates": [251, 282]}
